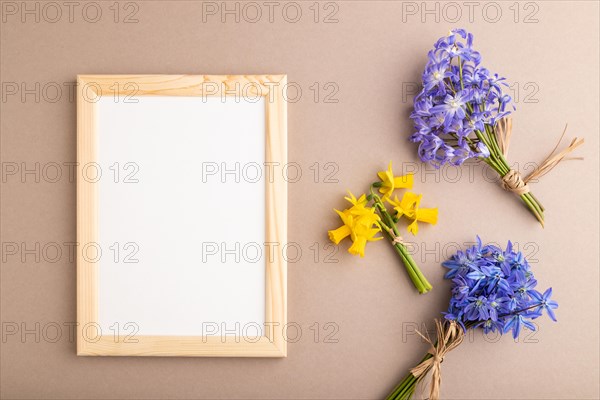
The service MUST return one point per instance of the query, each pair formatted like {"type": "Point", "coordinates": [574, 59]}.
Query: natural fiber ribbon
{"type": "Point", "coordinates": [449, 336]}
{"type": "Point", "coordinates": [395, 238]}
{"type": "Point", "coordinates": [513, 181]}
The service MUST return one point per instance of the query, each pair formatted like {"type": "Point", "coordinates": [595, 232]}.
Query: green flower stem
{"type": "Point", "coordinates": [388, 226]}
{"type": "Point", "coordinates": [498, 163]}
{"type": "Point", "coordinates": [424, 285]}
{"type": "Point", "coordinates": [418, 279]}
{"type": "Point", "coordinates": [406, 388]}
{"type": "Point", "coordinates": [496, 160]}
{"type": "Point", "coordinates": [537, 202]}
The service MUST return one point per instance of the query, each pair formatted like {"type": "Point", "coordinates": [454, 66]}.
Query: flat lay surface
{"type": "Point", "coordinates": [353, 68]}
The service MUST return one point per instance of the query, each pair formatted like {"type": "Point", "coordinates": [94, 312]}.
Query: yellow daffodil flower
{"type": "Point", "coordinates": [337, 235]}
{"type": "Point", "coordinates": [360, 223]}
{"type": "Point", "coordinates": [389, 182]}
{"type": "Point", "coordinates": [362, 234]}
{"type": "Point", "coordinates": [361, 201]}
{"type": "Point", "coordinates": [358, 209]}
{"type": "Point", "coordinates": [409, 207]}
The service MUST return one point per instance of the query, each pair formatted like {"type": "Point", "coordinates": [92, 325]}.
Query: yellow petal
{"type": "Point", "coordinates": [361, 201]}
{"type": "Point", "coordinates": [390, 172]}
{"type": "Point", "coordinates": [338, 234]}
{"type": "Point", "coordinates": [394, 202]}
{"type": "Point", "coordinates": [410, 200]}
{"type": "Point", "coordinates": [345, 216]}
{"type": "Point", "coordinates": [386, 191]}
{"type": "Point", "coordinates": [413, 228]}
{"type": "Point", "coordinates": [351, 198]}
{"type": "Point", "coordinates": [361, 227]}
{"type": "Point", "coordinates": [404, 181]}
{"type": "Point", "coordinates": [364, 213]}
{"type": "Point", "coordinates": [368, 220]}
{"type": "Point", "coordinates": [387, 179]}
{"type": "Point", "coordinates": [371, 235]}
{"type": "Point", "coordinates": [409, 204]}
{"type": "Point", "coordinates": [358, 246]}
{"type": "Point", "coordinates": [428, 215]}
{"type": "Point", "coordinates": [382, 175]}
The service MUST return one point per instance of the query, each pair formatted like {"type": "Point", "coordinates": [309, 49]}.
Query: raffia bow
{"type": "Point", "coordinates": [394, 237]}
{"type": "Point", "coordinates": [513, 181]}
{"type": "Point", "coordinates": [449, 336]}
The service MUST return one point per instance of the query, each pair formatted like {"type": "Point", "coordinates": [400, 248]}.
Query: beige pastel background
{"type": "Point", "coordinates": [356, 64]}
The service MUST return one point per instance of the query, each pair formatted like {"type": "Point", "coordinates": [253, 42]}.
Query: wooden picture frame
{"type": "Point", "coordinates": [90, 88]}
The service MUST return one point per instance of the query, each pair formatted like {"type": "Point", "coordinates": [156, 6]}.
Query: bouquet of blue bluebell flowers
{"type": "Point", "coordinates": [492, 289]}
{"type": "Point", "coordinates": [462, 113]}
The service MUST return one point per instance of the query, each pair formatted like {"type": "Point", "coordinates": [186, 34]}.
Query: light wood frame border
{"type": "Point", "coordinates": [89, 88]}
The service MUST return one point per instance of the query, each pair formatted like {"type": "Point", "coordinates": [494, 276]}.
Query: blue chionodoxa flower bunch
{"type": "Point", "coordinates": [495, 289]}
{"type": "Point", "coordinates": [459, 100]}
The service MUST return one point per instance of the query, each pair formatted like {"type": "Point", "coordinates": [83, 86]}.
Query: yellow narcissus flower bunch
{"type": "Point", "coordinates": [369, 215]}
{"type": "Point", "coordinates": [360, 223]}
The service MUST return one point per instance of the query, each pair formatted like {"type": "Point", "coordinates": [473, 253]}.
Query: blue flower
{"type": "Point", "coordinates": [453, 107]}
{"type": "Point", "coordinates": [459, 100]}
{"type": "Point", "coordinates": [545, 302]}
{"type": "Point", "coordinates": [515, 323]}
{"type": "Point", "coordinates": [434, 76]}
{"type": "Point", "coordinates": [495, 289]}
{"type": "Point", "coordinates": [477, 309]}
{"type": "Point", "coordinates": [522, 288]}
{"type": "Point", "coordinates": [491, 326]}
{"type": "Point", "coordinates": [458, 264]}
{"type": "Point", "coordinates": [496, 305]}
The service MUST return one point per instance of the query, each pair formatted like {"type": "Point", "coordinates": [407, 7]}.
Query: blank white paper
{"type": "Point", "coordinates": [179, 207]}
